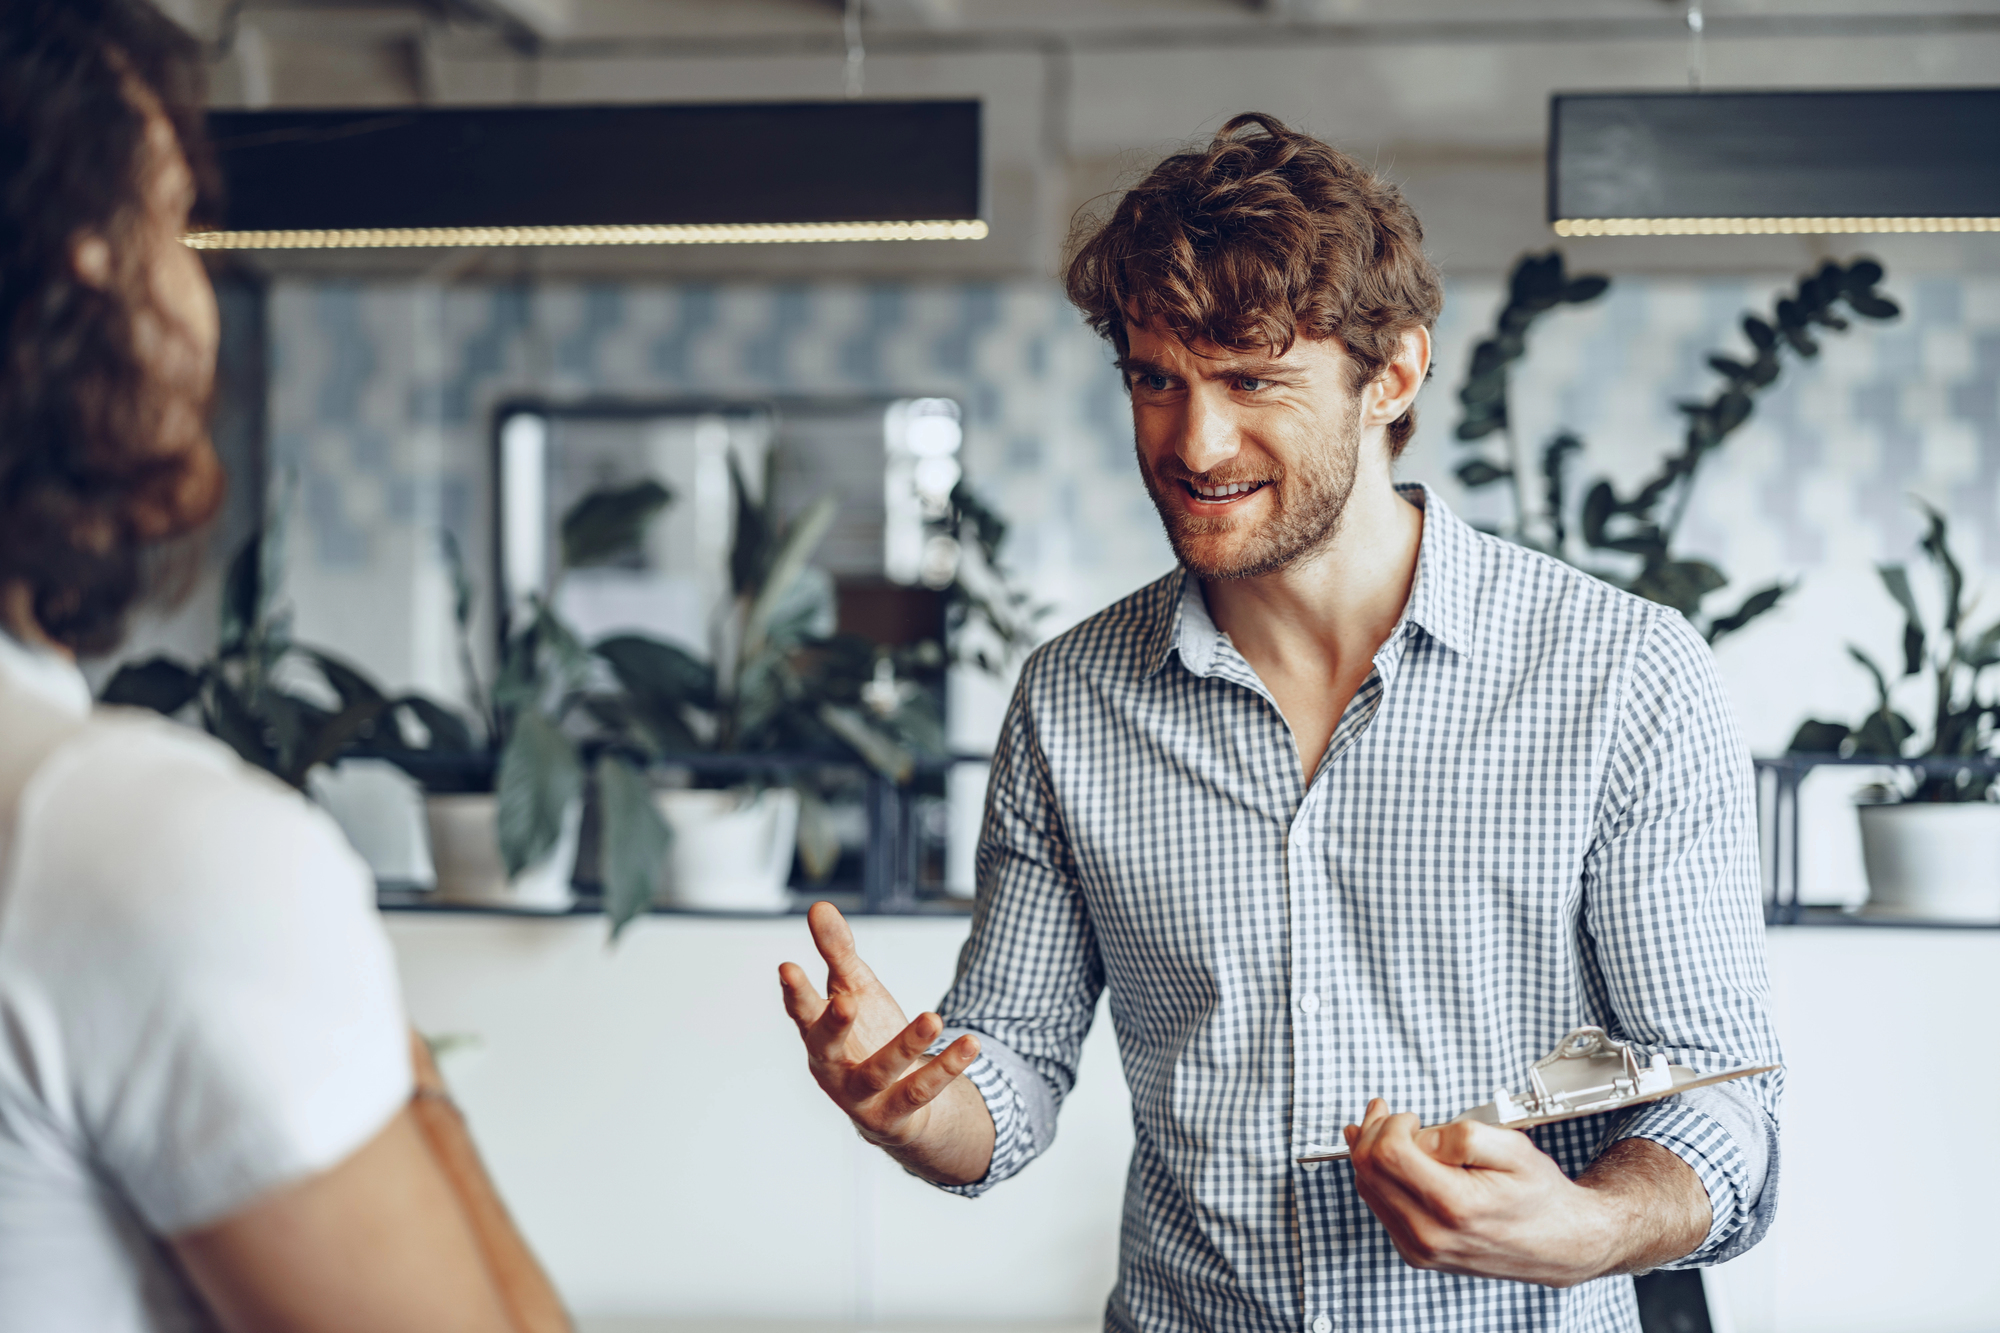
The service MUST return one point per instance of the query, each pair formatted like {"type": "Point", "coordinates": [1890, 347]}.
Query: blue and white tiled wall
{"type": "Point", "coordinates": [382, 396]}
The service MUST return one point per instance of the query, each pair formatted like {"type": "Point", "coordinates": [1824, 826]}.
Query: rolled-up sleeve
{"type": "Point", "coordinates": [1029, 975]}
{"type": "Point", "coordinates": [1673, 911]}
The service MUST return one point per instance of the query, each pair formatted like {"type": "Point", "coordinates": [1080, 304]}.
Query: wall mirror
{"type": "Point", "coordinates": [891, 463]}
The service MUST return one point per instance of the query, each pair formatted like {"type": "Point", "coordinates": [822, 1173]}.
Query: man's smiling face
{"type": "Point", "coordinates": [1250, 457]}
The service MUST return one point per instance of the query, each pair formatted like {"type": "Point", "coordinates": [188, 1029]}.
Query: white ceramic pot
{"type": "Point", "coordinates": [1932, 861]}
{"type": "Point", "coordinates": [732, 850]}
{"type": "Point", "coordinates": [465, 849]}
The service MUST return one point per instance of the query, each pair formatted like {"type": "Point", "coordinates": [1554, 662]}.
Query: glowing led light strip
{"type": "Point", "coordinates": [1764, 226]}
{"type": "Point", "coordinates": [721, 233]}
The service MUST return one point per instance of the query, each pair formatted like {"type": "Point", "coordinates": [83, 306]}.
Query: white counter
{"type": "Point", "coordinates": [649, 1117]}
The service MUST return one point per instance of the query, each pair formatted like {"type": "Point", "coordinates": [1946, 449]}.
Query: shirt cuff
{"type": "Point", "coordinates": [1022, 1105]}
{"type": "Point", "coordinates": [1731, 1146]}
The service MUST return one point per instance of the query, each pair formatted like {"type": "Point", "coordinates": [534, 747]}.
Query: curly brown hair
{"type": "Point", "coordinates": [1256, 240]}
{"type": "Point", "coordinates": [88, 485]}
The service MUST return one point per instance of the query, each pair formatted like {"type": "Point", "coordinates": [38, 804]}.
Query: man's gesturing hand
{"type": "Point", "coordinates": [1477, 1199]}
{"type": "Point", "coordinates": [870, 1061]}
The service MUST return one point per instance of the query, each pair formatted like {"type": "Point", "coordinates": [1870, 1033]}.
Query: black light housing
{"type": "Point", "coordinates": [1745, 163]}
{"type": "Point", "coordinates": [598, 175]}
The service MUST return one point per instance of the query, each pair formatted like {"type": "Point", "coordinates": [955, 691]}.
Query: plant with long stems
{"type": "Point", "coordinates": [1961, 721]}
{"type": "Point", "coordinates": [1643, 525]}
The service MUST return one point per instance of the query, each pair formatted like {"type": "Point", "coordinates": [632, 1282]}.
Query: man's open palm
{"type": "Point", "coordinates": [860, 1048]}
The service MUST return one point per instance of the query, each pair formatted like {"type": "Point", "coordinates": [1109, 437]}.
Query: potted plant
{"type": "Point", "coordinates": [779, 682]}
{"type": "Point", "coordinates": [284, 707]}
{"type": "Point", "coordinates": [505, 818]}
{"type": "Point", "coordinates": [1931, 841]}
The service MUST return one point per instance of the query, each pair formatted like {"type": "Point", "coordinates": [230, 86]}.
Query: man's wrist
{"type": "Point", "coordinates": [1655, 1209]}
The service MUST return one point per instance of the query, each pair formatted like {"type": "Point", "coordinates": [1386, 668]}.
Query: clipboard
{"type": "Point", "coordinates": [1588, 1073]}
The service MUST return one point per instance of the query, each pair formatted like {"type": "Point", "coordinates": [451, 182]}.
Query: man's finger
{"type": "Point", "coordinates": [835, 941]}
{"type": "Point", "coordinates": [802, 1002]}
{"type": "Point", "coordinates": [1439, 1189]}
{"type": "Point", "coordinates": [835, 1018]}
{"type": "Point", "coordinates": [887, 1065]}
{"type": "Point", "coordinates": [921, 1088]}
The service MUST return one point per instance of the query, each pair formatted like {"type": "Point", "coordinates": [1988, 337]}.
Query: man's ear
{"type": "Point", "coordinates": [1397, 385]}
{"type": "Point", "coordinates": [90, 259]}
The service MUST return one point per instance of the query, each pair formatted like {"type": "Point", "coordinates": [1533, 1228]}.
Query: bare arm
{"type": "Point", "coordinates": [1477, 1199]}
{"type": "Point", "coordinates": [864, 1055]}
{"type": "Point", "coordinates": [525, 1289]}
{"type": "Point", "coordinates": [405, 1236]}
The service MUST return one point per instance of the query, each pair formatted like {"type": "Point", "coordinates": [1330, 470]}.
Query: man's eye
{"type": "Point", "coordinates": [1156, 383]}
{"type": "Point", "coordinates": [1248, 385]}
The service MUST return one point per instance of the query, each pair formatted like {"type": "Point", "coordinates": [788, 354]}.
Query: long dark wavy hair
{"type": "Point", "coordinates": [87, 490]}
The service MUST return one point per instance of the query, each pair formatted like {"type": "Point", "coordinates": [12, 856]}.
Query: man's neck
{"type": "Point", "coordinates": [1311, 629]}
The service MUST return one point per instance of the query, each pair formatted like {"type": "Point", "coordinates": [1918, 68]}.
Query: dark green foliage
{"type": "Point", "coordinates": [1640, 527]}
{"type": "Point", "coordinates": [1537, 286]}
{"type": "Point", "coordinates": [634, 837]}
{"type": "Point", "coordinates": [607, 526]}
{"type": "Point", "coordinates": [539, 776]}
{"type": "Point", "coordinates": [158, 683]}
{"type": "Point", "coordinates": [1961, 723]}
{"type": "Point", "coordinates": [983, 592]}
{"type": "Point", "coordinates": [248, 695]}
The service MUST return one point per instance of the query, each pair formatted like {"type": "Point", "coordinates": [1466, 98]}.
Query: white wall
{"type": "Point", "coordinates": [648, 1115]}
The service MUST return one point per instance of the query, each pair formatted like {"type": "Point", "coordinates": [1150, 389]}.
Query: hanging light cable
{"type": "Point", "coordinates": [1696, 55]}
{"type": "Point", "coordinates": [850, 26]}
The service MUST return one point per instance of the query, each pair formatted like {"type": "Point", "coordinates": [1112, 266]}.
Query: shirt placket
{"type": "Point", "coordinates": [1317, 1020]}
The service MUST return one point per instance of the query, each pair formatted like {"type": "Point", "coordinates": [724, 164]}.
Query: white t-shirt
{"type": "Point", "coordinates": [198, 1004]}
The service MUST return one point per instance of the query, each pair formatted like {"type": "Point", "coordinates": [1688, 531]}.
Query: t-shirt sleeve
{"type": "Point", "coordinates": [225, 992]}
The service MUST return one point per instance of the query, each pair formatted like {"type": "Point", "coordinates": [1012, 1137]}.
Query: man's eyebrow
{"type": "Point", "coordinates": [1219, 368]}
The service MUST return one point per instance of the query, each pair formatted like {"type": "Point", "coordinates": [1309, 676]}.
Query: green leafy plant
{"type": "Point", "coordinates": [1961, 722]}
{"type": "Point", "coordinates": [983, 592]}
{"type": "Point", "coordinates": [285, 707]}
{"type": "Point", "coordinates": [779, 681]}
{"type": "Point", "coordinates": [1643, 524]}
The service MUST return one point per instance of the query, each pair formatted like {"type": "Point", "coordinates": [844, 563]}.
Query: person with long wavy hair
{"type": "Point", "coordinates": [213, 1114]}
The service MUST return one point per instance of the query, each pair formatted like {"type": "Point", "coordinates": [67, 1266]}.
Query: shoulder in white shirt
{"type": "Point", "coordinates": [198, 1005]}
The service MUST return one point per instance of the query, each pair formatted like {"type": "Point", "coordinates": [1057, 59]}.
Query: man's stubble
{"type": "Point", "coordinates": [1311, 498]}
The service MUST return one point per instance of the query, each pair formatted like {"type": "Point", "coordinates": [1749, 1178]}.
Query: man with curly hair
{"type": "Point", "coordinates": [1353, 816]}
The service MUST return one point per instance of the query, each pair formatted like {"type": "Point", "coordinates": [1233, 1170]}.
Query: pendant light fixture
{"type": "Point", "coordinates": [598, 175]}
{"type": "Point", "coordinates": [1763, 163]}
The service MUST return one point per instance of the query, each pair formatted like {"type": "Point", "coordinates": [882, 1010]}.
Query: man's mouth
{"type": "Point", "coordinates": [1225, 493]}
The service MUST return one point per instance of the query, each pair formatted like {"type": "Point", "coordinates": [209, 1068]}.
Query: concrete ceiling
{"type": "Point", "coordinates": [1449, 96]}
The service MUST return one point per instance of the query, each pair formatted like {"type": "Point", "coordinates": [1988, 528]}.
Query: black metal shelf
{"type": "Point", "coordinates": [402, 898]}
{"type": "Point", "coordinates": [888, 884]}
{"type": "Point", "coordinates": [1778, 781]}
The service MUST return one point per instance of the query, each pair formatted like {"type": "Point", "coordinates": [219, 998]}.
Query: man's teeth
{"type": "Point", "coordinates": [1224, 492]}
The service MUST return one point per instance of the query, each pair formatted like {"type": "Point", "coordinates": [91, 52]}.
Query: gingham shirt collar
{"type": "Point", "coordinates": [1441, 601]}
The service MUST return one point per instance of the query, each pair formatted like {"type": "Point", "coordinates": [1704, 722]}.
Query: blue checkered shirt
{"type": "Point", "coordinates": [1536, 813]}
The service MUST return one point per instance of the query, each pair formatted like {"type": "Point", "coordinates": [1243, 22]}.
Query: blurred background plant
{"type": "Point", "coordinates": [562, 716]}
{"type": "Point", "coordinates": [285, 707]}
{"type": "Point", "coordinates": [1637, 531]}
{"type": "Point", "coordinates": [1962, 725]}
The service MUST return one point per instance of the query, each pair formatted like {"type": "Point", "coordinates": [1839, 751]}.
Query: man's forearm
{"type": "Point", "coordinates": [1658, 1204]}
{"type": "Point", "coordinates": [955, 1144]}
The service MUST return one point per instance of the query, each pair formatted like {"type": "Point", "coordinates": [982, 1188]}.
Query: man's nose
{"type": "Point", "coordinates": [1209, 435]}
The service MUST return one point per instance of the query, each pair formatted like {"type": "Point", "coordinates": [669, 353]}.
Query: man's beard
{"type": "Point", "coordinates": [1310, 503]}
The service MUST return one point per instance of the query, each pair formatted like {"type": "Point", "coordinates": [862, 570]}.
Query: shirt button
{"type": "Point", "coordinates": [1309, 1003]}
{"type": "Point", "coordinates": [1321, 1324]}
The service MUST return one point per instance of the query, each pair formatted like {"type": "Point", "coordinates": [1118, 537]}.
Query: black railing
{"type": "Point", "coordinates": [1778, 783]}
